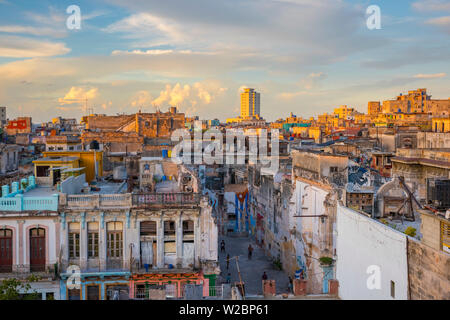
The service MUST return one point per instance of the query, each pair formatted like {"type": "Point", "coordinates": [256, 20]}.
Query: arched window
{"type": "Point", "coordinates": [6, 252]}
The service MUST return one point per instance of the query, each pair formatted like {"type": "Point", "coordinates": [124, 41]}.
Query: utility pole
{"type": "Point", "coordinates": [240, 278]}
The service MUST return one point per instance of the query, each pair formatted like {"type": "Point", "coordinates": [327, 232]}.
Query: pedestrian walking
{"type": "Point", "coordinates": [222, 246]}
{"type": "Point", "coordinates": [250, 251]}
{"type": "Point", "coordinates": [228, 261]}
{"type": "Point", "coordinates": [264, 276]}
{"type": "Point", "coordinates": [290, 286]}
{"type": "Point", "coordinates": [229, 278]}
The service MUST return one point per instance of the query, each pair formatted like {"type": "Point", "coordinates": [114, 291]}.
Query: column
{"type": "Point", "coordinates": [179, 240]}
{"type": "Point", "coordinates": [102, 243]}
{"type": "Point", "coordinates": [160, 243]}
{"type": "Point", "coordinates": [197, 240]}
{"type": "Point", "coordinates": [83, 242]}
{"type": "Point", "coordinates": [22, 248]}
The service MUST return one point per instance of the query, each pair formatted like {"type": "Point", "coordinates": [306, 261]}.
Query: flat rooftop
{"type": "Point", "coordinates": [40, 191]}
{"type": "Point", "coordinates": [56, 159]}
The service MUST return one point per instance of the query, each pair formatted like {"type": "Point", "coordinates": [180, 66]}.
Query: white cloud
{"type": "Point", "coordinates": [431, 5]}
{"type": "Point", "coordinates": [149, 28]}
{"type": "Point", "coordinates": [430, 76]}
{"type": "Point", "coordinates": [21, 47]}
{"type": "Point", "coordinates": [78, 95]}
{"type": "Point", "coordinates": [189, 98]}
{"type": "Point", "coordinates": [35, 31]}
{"type": "Point", "coordinates": [141, 99]}
{"type": "Point", "coordinates": [441, 22]}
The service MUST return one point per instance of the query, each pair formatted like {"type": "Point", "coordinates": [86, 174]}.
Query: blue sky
{"type": "Point", "coordinates": [305, 56]}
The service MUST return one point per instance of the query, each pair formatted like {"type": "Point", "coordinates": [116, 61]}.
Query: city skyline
{"type": "Point", "coordinates": [198, 56]}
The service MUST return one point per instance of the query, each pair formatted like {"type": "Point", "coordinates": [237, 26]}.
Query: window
{"type": "Point", "coordinates": [74, 294]}
{"type": "Point", "coordinates": [93, 292]}
{"type": "Point", "coordinates": [170, 247]}
{"type": "Point", "coordinates": [93, 240]}
{"type": "Point", "coordinates": [392, 289]}
{"type": "Point", "coordinates": [42, 171]}
{"type": "Point", "coordinates": [148, 228]}
{"type": "Point", "coordinates": [333, 169]}
{"type": "Point", "coordinates": [169, 228]}
{"type": "Point", "coordinates": [188, 227]}
{"type": "Point", "coordinates": [115, 239]}
{"type": "Point", "coordinates": [74, 240]}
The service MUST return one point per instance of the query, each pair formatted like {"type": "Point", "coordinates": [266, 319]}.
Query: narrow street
{"type": "Point", "coordinates": [251, 270]}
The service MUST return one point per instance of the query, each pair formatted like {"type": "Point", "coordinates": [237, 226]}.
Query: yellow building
{"type": "Point", "coordinates": [86, 160]}
{"type": "Point", "coordinates": [48, 170]}
{"type": "Point", "coordinates": [316, 133]}
{"type": "Point", "coordinates": [250, 103]}
{"type": "Point", "coordinates": [344, 112]}
{"type": "Point", "coordinates": [441, 124]}
{"type": "Point", "coordinates": [302, 131]}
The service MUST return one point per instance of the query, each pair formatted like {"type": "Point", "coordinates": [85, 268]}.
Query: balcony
{"type": "Point", "coordinates": [98, 201]}
{"type": "Point", "coordinates": [144, 200]}
{"type": "Point", "coordinates": [25, 203]}
{"type": "Point", "coordinates": [28, 196]}
{"type": "Point", "coordinates": [24, 271]}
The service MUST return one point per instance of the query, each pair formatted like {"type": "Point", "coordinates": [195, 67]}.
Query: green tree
{"type": "Point", "coordinates": [14, 289]}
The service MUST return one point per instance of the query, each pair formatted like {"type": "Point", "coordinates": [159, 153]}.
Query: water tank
{"type": "Point", "coordinates": [165, 154]}
{"type": "Point", "coordinates": [94, 145]}
{"type": "Point", "coordinates": [120, 173]}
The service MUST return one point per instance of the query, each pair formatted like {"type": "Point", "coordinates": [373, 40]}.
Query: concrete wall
{"type": "Point", "coordinates": [73, 185]}
{"type": "Point", "coordinates": [430, 230]}
{"type": "Point", "coordinates": [433, 139]}
{"type": "Point", "coordinates": [429, 272]}
{"type": "Point", "coordinates": [363, 242]}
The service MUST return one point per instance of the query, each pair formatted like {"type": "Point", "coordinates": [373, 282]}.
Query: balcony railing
{"type": "Point", "coordinates": [150, 199]}
{"type": "Point", "coordinates": [127, 200]}
{"type": "Point", "coordinates": [21, 203]}
{"type": "Point", "coordinates": [97, 201]}
{"type": "Point", "coordinates": [23, 271]}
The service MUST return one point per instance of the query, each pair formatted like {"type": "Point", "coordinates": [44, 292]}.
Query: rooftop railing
{"type": "Point", "coordinates": [128, 200]}
{"type": "Point", "coordinates": [149, 199]}
{"type": "Point", "coordinates": [97, 201]}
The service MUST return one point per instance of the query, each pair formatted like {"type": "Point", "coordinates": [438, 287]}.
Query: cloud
{"type": "Point", "coordinates": [189, 98]}
{"type": "Point", "coordinates": [295, 32]}
{"type": "Point", "coordinates": [308, 86]}
{"type": "Point", "coordinates": [431, 5]}
{"type": "Point", "coordinates": [21, 47]}
{"type": "Point", "coordinates": [442, 22]}
{"type": "Point", "coordinates": [430, 76]}
{"type": "Point", "coordinates": [106, 106]}
{"type": "Point", "coordinates": [35, 31]}
{"type": "Point", "coordinates": [78, 95]}
{"type": "Point", "coordinates": [149, 27]}
{"type": "Point", "coordinates": [141, 99]}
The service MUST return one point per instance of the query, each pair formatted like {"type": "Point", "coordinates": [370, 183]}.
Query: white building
{"type": "Point", "coordinates": [9, 158]}
{"type": "Point", "coordinates": [371, 258]}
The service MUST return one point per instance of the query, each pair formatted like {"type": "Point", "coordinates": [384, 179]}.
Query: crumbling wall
{"type": "Point", "coordinates": [428, 271]}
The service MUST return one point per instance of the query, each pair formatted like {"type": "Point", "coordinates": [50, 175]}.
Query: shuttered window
{"type": "Point", "coordinates": [74, 240]}
{"type": "Point", "coordinates": [148, 228]}
{"type": "Point", "coordinates": [115, 239]}
{"type": "Point", "coordinates": [169, 228]}
{"type": "Point", "coordinates": [93, 240]}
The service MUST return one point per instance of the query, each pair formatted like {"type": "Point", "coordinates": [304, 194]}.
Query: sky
{"type": "Point", "coordinates": [304, 56]}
